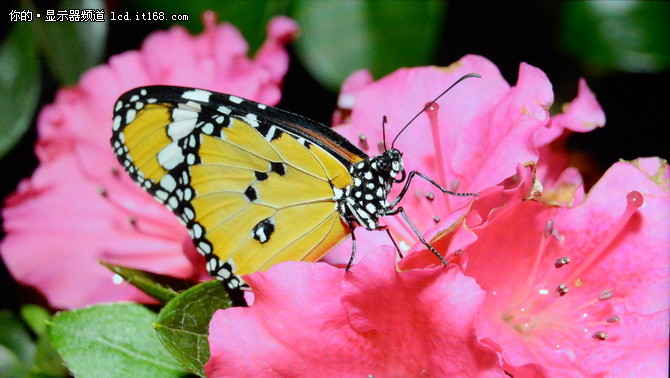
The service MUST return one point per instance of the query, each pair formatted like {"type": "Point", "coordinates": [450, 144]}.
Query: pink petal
{"type": "Point", "coordinates": [372, 320]}
{"type": "Point", "coordinates": [618, 267]}
{"type": "Point", "coordinates": [583, 114]}
{"type": "Point", "coordinates": [58, 226]}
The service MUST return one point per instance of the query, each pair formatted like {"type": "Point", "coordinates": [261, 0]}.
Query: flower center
{"type": "Point", "coordinates": [556, 299]}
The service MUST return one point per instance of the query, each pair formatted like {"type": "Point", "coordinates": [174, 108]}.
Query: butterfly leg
{"type": "Point", "coordinates": [388, 232]}
{"type": "Point", "coordinates": [417, 233]}
{"type": "Point", "coordinates": [353, 246]}
{"type": "Point", "coordinates": [430, 180]}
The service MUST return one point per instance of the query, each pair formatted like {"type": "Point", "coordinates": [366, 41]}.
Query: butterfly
{"type": "Point", "coordinates": [255, 185]}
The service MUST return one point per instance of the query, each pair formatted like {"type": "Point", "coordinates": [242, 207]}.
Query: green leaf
{"type": "Point", "coordinates": [250, 17]}
{"type": "Point", "coordinates": [183, 324]}
{"type": "Point", "coordinates": [47, 361]}
{"type": "Point", "coordinates": [339, 37]}
{"type": "Point", "coordinates": [144, 281]}
{"type": "Point", "coordinates": [17, 350]}
{"type": "Point", "coordinates": [70, 47]}
{"type": "Point", "coordinates": [19, 85]}
{"type": "Point", "coordinates": [620, 35]}
{"type": "Point", "coordinates": [36, 317]}
{"type": "Point", "coordinates": [113, 340]}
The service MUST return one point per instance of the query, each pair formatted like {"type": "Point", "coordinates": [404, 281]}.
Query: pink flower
{"type": "Point", "coordinates": [79, 207]}
{"type": "Point", "coordinates": [575, 284]}
{"type": "Point", "coordinates": [317, 320]}
{"type": "Point", "coordinates": [475, 138]}
{"type": "Point", "coordinates": [579, 291]}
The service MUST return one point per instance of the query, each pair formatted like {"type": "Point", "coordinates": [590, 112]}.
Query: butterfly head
{"type": "Point", "coordinates": [389, 164]}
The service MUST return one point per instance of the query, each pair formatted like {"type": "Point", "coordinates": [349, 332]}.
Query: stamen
{"type": "Point", "coordinates": [380, 147]}
{"type": "Point", "coordinates": [115, 171]}
{"type": "Point", "coordinates": [633, 201]}
{"type": "Point", "coordinates": [537, 263]}
{"type": "Point", "coordinates": [548, 228]}
{"type": "Point", "coordinates": [562, 289]}
{"type": "Point", "coordinates": [562, 262]}
{"type": "Point", "coordinates": [437, 219]}
{"type": "Point", "coordinates": [209, 20]}
{"type": "Point", "coordinates": [556, 235]}
{"type": "Point", "coordinates": [455, 183]}
{"type": "Point", "coordinates": [102, 191]}
{"type": "Point", "coordinates": [600, 335]}
{"type": "Point", "coordinates": [363, 142]}
{"type": "Point", "coordinates": [432, 112]}
{"type": "Point", "coordinates": [132, 220]}
{"type": "Point", "coordinates": [430, 196]}
{"type": "Point", "coordinates": [605, 294]}
{"type": "Point", "coordinates": [613, 319]}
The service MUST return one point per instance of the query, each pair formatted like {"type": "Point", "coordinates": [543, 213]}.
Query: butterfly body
{"type": "Point", "coordinates": [254, 185]}
{"type": "Point", "coordinates": [366, 199]}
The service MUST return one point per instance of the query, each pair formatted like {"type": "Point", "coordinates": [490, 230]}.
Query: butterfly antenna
{"type": "Point", "coordinates": [384, 121]}
{"type": "Point", "coordinates": [433, 102]}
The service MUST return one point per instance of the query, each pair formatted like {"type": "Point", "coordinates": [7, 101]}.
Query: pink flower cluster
{"type": "Point", "coordinates": [546, 280]}
{"type": "Point", "coordinates": [80, 207]}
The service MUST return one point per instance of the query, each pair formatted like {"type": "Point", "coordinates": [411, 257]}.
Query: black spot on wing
{"type": "Point", "coordinates": [269, 132]}
{"type": "Point", "coordinates": [278, 168]}
{"type": "Point", "coordinates": [263, 230]}
{"type": "Point", "coordinates": [261, 176]}
{"type": "Point", "coordinates": [251, 194]}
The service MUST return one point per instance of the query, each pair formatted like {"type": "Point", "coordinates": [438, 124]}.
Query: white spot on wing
{"type": "Point", "coordinates": [251, 119]}
{"type": "Point", "coordinates": [130, 115]}
{"type": "Point", "coordinates": [235, 99]}
{"type": "Point", "coordinates": [117, 122]}
{"type": "Point", "coordinates": [168, 183]}
{"type": "Point", "coordinates": [197, 95]}
{"type": "Point", "coordinates": [204, 248]}
{"type": "Point", "coordinates": [170, 156]}
{"type": "Point", "coordinates": [208, 128]}
{"type": "Point", "coordinates": [183, 124]}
